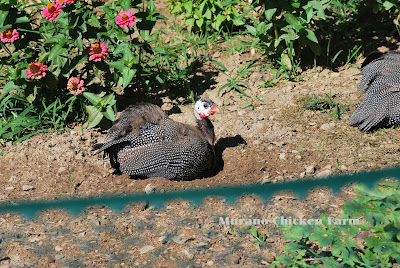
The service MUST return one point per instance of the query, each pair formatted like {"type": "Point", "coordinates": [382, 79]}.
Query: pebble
{"type": "Point", "coordinates": [282, 156]}
{"type": "Point", "coordinates": [10, 188]}
{"type": "Point", "coordinates": [149, 188]}
{"type": "Point", "coordinates": [310, 169]}
{"type": "Point", "coordinates": [179, 239]}
{"type": "Point", "coordinates": [146, 249]}
{"type": "Point", "coordinates": [210, 263]}
{"type": "Point", "coordinates": [256, 142]}
{"type": "Point", "coordinates": [27, 187]}
{"type": "Point", "coordinates": [324, 173]}
{"type": "Point", "coordinates": [327, 126]}
{"type": "Point", "coordinates": [58, 248]}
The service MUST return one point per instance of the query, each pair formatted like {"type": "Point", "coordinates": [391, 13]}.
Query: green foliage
{"type": "Point", "coordinates": [260, 237]}
{"type": "Point", "coordinates": [325, 105]}
{"type": "Point", "coordinates": [288, 23]}
{"type": "Point", "coordinates": [334, 245]}
{"type": "Point", "coordinates": [209, 15]}
{"type": "Point", "coordinates": [135, 60]}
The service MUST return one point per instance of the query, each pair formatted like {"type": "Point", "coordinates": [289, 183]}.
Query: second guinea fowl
{"type": "Point", "coordinates": [144, 141]}
{"type": "Point", "coordinates": [381, 84]}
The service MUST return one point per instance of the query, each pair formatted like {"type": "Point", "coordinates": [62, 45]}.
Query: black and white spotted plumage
{"type": "Point", "coordinates": [144, 141]}
{"type": "Point", "coordinates": [381, 84]}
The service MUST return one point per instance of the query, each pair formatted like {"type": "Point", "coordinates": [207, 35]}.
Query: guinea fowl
{"type": "Point", "coordinates": [144, 141]}
{"type": "Point", "coordinates": [381, 84]}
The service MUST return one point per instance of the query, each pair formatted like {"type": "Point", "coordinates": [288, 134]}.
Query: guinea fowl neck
{"type": "Point", "coordinates": [207, 129]}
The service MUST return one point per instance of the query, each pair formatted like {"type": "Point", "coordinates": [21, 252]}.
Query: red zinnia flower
{"type": "Point", "coordinates": [36, 69]}
{"type": "Point", "coordinates": [125, 18]}
{"type": "Point", "coordinates": [75, 86]}
{"type": "Point", "coordinates": [52, 11]}
{"type": "Point", "coordinates": [98, 51]}
{"type": "Point", "coordinates": [9, 35]}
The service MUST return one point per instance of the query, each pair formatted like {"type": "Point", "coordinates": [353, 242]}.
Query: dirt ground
{"type": "Point", "coordinates": [277, 140]}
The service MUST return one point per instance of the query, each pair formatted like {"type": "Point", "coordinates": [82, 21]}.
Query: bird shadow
{"type": "Point", "coordinates": [220, 147]}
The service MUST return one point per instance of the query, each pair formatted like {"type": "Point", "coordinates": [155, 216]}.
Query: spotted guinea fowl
{"type": "Point", "coordinates": [381, 84]}
{"type": "Point", "coordinates": [144, 141]}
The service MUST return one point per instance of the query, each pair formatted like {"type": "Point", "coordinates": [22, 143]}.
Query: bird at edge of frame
{"type": "Point", "coordinates": [380, 84]}
{"type": "Point", "coordinates": [145, 142]}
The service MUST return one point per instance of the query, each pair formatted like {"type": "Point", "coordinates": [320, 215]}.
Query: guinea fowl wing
{"type": "Point", "coordinates": [381, 84]}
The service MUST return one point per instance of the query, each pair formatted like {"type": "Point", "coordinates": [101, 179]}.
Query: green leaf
{"type": "Point", "coordinates": [94, 116]}
{"type": "Point", "coordinates": [311, 36]}
{"type": "Point", "coordinates": [23, 19]}
{"type": "Point", "coordinates": [293, 21]}
{"type": "Point", "coordinates": [56, 51]}
{"type": "Point", "coordinates": [388, 5]}
{"type": "Point", "coordinates": [119, 65]}
{"type": "Point", "coordinates": [219, 20]}
{"type": "Point", "coordinates": [7, 88]}
{"type": "Point", "coordinates": [94, 21]}
{"type": "Point", "coordinates": [269, 13]}
{"type": "Point", "coordinates": [127, 76]}
{"type": "Point", "coordinates": [109, 114]}
{"type": "Point", "coordinates": [188, 6]}
{"type": "Point", "coordinates": [3, 16]}
{"type": "Point", "coordinates": [93, 98]}
{"type": "Point", "coordinates": [200, 22]}
{"type": "Point", "coordinates": [125, 4]}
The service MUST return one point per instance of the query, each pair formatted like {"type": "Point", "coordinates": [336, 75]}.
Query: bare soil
{"type": "Point", "coordinates": [277, 140]}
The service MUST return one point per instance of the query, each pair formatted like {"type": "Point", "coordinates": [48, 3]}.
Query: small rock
{"type": "Point", "coordinates": [266, 179]}
{"type": "Point", "coordinates": [260, 127]}
{"type": "Point", "coordinates": [302, 174]}
{"type": "Point", "coordinates": [181, 99]}
{"type": "Point", "coordinates": [149, 188]}
{"type": "Point", "coordinates": [310, 169]}
{"type": "Point", "coordinates": [179, 239]}
{"type": "Point", "coordinates": [216, 55]}
{"type": "Point", "coordinates": [27, 187]}
{"type": "Point", "coordinates": [58, 248]}
{"type": "Point", "coordinates": [343, 167]}
{"type": "Point", "coordinates": [10, 188]}
{"type": "Point", "coordinates": [241, 113]}
{"type": "Point", "coordinates": [58, 257]}
{"type": "Point", "coordinates": [327, 126]}
{"type": "Point", "coordinates": [324, 173]}
{"type": "Point", "coordinates": [146, 249]}
{"type": "Point", "coordinates": [256, 142]}
{"type": "Point", "coordinates": [282, 156]}
{"type": "Point", "coordinates": [210, 263]}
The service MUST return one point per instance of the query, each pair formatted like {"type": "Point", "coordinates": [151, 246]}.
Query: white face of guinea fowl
{"type": "Point", "coordinates": [204, 108]}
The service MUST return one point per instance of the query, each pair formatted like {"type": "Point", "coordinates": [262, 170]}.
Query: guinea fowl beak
{"type": "Point", "coordinates": [214, 109]}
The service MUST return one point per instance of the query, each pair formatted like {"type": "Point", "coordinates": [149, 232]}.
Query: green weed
{"type": "Point", "coordinates": [260, 237]}
{"type": "Point", "coordinates": [326, 104]}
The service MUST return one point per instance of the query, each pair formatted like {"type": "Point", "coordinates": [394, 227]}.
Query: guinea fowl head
{"type": "Point", "coordinates": [204, 108]}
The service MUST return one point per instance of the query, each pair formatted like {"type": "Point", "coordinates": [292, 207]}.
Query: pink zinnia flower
{"type": "Point", "coordinates": [64, 2]}
{"type": "Point", "coordinates": [98, 51]}
{"type": "Point", "coordinates": [125, 19]}
{"type": "Point", "coordinates": [52, 11]}
{"type": "Point", "coordinates": [75, 86]}
{"type": "Point", "coordinates": [9, 35]}
{"type": "Point", "coordinates": [36, 69]}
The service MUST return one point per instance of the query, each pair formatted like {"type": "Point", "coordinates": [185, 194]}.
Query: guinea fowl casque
{"type": "Point", "coordinates": [144, 141]}
{"type": "Point", "coordinates": [381, 84]}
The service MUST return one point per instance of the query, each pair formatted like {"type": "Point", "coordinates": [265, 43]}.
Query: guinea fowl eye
{"type": "Point", "coordinates": [205, 105]}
